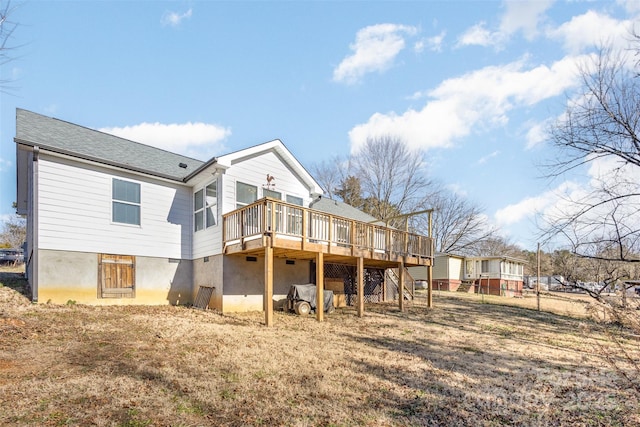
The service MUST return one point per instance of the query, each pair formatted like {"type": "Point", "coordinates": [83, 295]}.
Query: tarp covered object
{"type": "Point", "coordinates": [308, 293]}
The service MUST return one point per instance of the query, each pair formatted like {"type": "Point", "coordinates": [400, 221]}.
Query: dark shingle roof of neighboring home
{"type": "Point", "coordinates": [70, 139]}
{"type": "Point", "coordinates": [334, 207]}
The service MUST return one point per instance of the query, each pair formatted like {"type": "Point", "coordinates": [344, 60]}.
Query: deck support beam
{"type": "Point", "coordinates": [360, 276]}
{"type": "Point", "coordinates": [268, 285]}
{"type": "Point", "coordinates": [320, 287]}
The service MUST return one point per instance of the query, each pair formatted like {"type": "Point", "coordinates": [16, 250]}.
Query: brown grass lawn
{"type": "Point", "coordinates": [463, 362]}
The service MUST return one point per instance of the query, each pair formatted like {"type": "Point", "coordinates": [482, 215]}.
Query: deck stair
{"type": "Point", "coordinates": [466, 286]}
{"type": "Point", "coordinates": [394, 282]}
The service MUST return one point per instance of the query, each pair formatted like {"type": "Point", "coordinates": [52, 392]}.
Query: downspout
{"type": "Point", "coordinates": [34, 220]}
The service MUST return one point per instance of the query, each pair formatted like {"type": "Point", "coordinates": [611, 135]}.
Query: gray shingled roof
{"type": "Point", "coordinates": [67, 138]}
{"type": "Point", "coordinates": [334, 207]}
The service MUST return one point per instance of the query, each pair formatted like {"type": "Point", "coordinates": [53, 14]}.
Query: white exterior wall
{"type": "Point", "coordinates": [75, 212]}
{"type": "Point", "coordinates": [254, 171]}
{"type": "Point", "coordinates": [208, 241]}
{"type": "Point", "coordinates": [455, 268]}
{"type": "Point", "coordinates": [498, 269]}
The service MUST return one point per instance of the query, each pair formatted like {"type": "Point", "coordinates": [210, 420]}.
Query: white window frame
{"type": "Point", "coordinates": [295, 200]}
{"type": "Point", "coordinates": [211, 205]}
{"type": "Point", "coordinates": [115, 201]}
{"type": "Point", "coordinates": [271, 193]}
{"type": "Point", "coordinates": [203, 205]}
{"type": "Point", "coordinates": [483, 263]}
{"type": "Point", "coordinates": [240, 204]}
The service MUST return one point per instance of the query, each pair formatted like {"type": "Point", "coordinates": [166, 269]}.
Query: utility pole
{"type": "Point", "coordinates": [538, 281]}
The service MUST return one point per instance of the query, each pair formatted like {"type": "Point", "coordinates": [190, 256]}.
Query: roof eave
{"type": "Point", "coordinates": [97, 160]}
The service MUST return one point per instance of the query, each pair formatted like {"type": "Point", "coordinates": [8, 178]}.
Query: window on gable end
{"type": "Point", "coordinates": [294, 200]}
{"type": "Point", "coordinates": [245, 194]}
{"type": "Point", "coordinates": [270, 193]}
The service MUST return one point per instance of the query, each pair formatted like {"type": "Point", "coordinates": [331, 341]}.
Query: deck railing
{"type": "Point", "coordinates": [283, 219]}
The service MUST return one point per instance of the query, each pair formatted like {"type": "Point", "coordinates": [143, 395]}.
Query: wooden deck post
{"type": "Point", "coordinates": [430, 268]}
{"type": "Point", "coordinates": [430, 285]}
{"type": "Point", "coordinates": [268, 285]}
{"type": "Point", "coordinates": [401, 286]}
{"type": "Point", "coordinates": [320, 287]}
{"type": "Point", "coordinates": [360, 277]}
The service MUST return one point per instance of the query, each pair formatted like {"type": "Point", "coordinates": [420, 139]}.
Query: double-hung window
{"type": "Point", "coordinates": [294, 200]}
{"type": "Point", "coordinates": [270, 193]}
{"type": "Point", "coordinates": [484, 266]}
{"type": "Point", "coordinates": [245, 194]}
{"type": "Point", "coordinates": [205, 207]}
{"type": "Point", "coordinates": [125, 202]}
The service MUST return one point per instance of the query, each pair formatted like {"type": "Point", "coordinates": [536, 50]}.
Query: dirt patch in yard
{"type": "Point", "coordinates": [460, 363]}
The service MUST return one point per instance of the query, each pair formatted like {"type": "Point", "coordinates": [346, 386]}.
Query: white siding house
{"type": "Point", "coordinates": [112, 221]}
{"type": "Point", "coordinates": [497, 275]}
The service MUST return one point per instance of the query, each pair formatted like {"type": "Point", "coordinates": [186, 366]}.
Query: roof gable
{"type": "Point", "coordinates": [278, 148]}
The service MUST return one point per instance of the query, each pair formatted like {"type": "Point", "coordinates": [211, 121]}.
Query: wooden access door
{"type": "Point", "coordinates": [116, 276]}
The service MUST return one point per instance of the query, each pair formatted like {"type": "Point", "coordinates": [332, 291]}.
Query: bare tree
{"type": "Point", "coordinates": [7, 28]}
{"type": "Point", "coordinates": [330, 174]}
{"type": "Point", "coordinates": [495, 246]}
{"type": "Point", "coordinates": [14, 233]}
{"type": "Point", "coordinates": [391, 177]}
{"type": "Point", "coordinates": [458, 225]}
{"type": "Point", "coordinates": [600, 129]}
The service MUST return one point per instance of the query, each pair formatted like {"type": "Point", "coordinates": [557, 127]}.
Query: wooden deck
{"type": "Point", "coordinates": [296, 232]}
{"type": "Point", "coordinates": [275, 229]}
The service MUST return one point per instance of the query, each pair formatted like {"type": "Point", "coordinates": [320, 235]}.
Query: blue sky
{"type": "Point", "coordinates": [470, 82]}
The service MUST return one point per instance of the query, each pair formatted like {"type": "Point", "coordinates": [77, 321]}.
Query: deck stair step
{"type": "Point", "coordinates": [466, 287]}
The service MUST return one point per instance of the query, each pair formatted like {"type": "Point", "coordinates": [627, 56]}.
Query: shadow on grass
{"type": "Point", "coordinates": [16, 281]}
{"type": "Point", "coordinates": [439, 384]}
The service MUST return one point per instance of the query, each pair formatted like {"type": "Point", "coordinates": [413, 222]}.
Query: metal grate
{"type": "Point", "coordinates": [203, 297]}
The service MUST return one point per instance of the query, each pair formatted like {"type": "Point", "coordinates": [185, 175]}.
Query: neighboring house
{"type": "Point", "coordinates": [112, 221]}
{"type": "Point", "coordinates": [493, 275]}
{"type": "Point", "coordinates": [447, 272]}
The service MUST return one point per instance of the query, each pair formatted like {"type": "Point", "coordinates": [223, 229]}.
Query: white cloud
{"type": "Point", "coordinates": [478, 35]}
{"type": "Point", "coordinates": [375, 49]}
{"type": "Point", "coordinates": [200, 140]}
{"type": "Point", "coordinates": [631, 6]}
{"type": "Point", "coordinates": [477, 100]}
{"type": "Point", "coordinates": [457, 189]}
{"type": "Point", "coordinates": [591, 29]}
{"type": "Point", "coordinates": [524, 16]}
{"type": "Point", "coordinates": [572, 196]}
{"type": "Point", "coordinates": [51, 109]}
{"type": "Point", "coordinates": [537, 134]}
{"type": "Point", "coordinates": [488, 157]}
{"type": "Point", "coordinates": [174, 19]}
{"type": "Point", "coordinates": [435, 42]}
{"type": "Point", "coordinates": [529, 207]}
{"type": "Point", "coordinates": [5, 165]}
{"type": "Point", "coordinates": [4, 218]}
{"type": "Point", "coordinates": [417, 95]}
